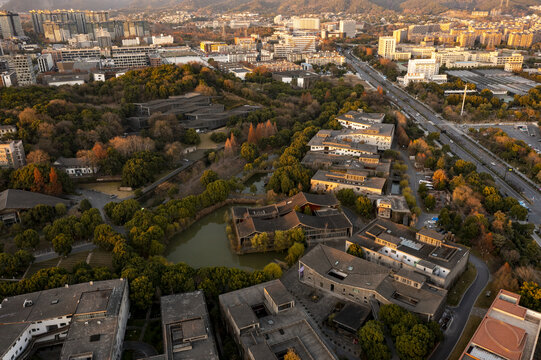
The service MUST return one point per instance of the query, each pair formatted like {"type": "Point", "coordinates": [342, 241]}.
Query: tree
{"type": "Point", "coordinates": [291, 355]}
{"type": "Point", "coordinates": [209, 176]}
{"type": "Point", "coordinates": [54, 187]}
{"type": "Point", "coordinates": [141, 292]}
{"type": "Point", "coordinates": [530, 295]}
{"type": "Point", "coordinates": [252, 137]}
{"type": "Point", "coordinates": [440, 179]}
{"type": "Point", "coordinates": [104, 237]}
{"type": "Point", "coordinates": [249, 152]}
{"type": "Point", "coordinates": [62, 244]}
{"type": "Point", "coordinates": [281, 240]}
{"type": "Point", "coordinates": [346, 196]}
{"type": "Point", "coordinates": [430, 202]}
{"type": "Point", "coordinates": [190, 137]}
{"type": "Point", "coordinates": [355, 250]}
{"type": "Point", "coordinates": [85, 205]}
{"type": "Point", "coordinates": [294, 253]}
{"type": "Point", "coordinates": [518, 212]}
{"type": "Point", "coordinates": [260, 242]}
{"type": "Point", "coordinates": [37, 157]}
{"type": "Point", "coordinates": [390, 313]}
{"type": "Point", "coordinates": [28, 239]}
{"type": "Point", "coordinates": [364, 206]}
{"type": "Point", "coordinates": [39, 182]}
{"type": "Point", "coordinates": [273, 271]}
{"type": "Point", "coordinates": [121, 212]}
{"type": "Point", "coordinates": [372, 341]}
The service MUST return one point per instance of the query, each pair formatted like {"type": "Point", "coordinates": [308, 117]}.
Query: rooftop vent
{"type": "Point", "coordinates": [55, 301]}
{"type": "Point", "coordinates": [66, 286]}
{"type": "Point", "coordinates": [91, 283]}
{"type": "Point", "coordinates": [27, 303]}
{"type": "Point", "coordinates": [350, 268]}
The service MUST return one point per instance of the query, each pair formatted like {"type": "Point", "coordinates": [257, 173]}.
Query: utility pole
{"type": "Point", "coordinates": [464, 99]}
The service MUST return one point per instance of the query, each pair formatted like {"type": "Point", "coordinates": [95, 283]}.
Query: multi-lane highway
{"type": "Point", "coordinates": [510, 183]}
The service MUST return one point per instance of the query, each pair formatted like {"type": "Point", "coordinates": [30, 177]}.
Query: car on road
{"type": "Point", "coordinates": [113, 196]}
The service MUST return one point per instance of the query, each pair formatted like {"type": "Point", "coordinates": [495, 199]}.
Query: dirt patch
{"type": "Point", "coordinates": [110, 188]}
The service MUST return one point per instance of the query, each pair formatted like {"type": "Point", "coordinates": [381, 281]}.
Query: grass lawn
{"type": "Point", "coordinates": [206, 142]}
{"type": "Point", "coordinates": [484, 301]}
{"type": "Point", "coordinates": [101, 258]}
{"type": "Point", "coordinates": [72, 260]}
{"type": "Point", "coordinates": [471, 326]}
{"type": "Point", "coordinates": [34, 268]}
{"type": "Point", "coordinates": [464, 281]}
{"type": "Point", "coordinates": [110, 188]}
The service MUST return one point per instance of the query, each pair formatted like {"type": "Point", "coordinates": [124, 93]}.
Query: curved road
{"type": "Point", "coordinates": [461, 313]}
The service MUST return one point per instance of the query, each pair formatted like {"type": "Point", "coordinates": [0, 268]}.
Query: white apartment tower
{"type": "Point", "coordinates": [348, 28]}
{"type": "Point", "coordinates": [306, 23]}
{"type": "Point", "coordinates": [386, 46]}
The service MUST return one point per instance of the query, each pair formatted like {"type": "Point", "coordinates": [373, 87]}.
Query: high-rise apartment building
{"type": "Point", "coordinates": [77, 17]}
{"type": "Point", "coordinates": [520, 39]}
{"type": "Point", "coordinates": [386, 46]}
{"type": "Point", "coordinates": [136, 28]}
{"type": "Point", "coordinates": [23, 67]}
{"type": "Point", "coordinates": [8, 78]}
{"type": "Point", "coordinates": [306, 23]}
{"type": "Point", "coordinates": [400, 35]}
{"type": "Point", "coordinates": [423, 70]}
{"type": "Point", "coordinates": [12, 154]}
{"type": "Point", "coordinates": [467, 39]}
{"type": "Point", "coordinates": [491, 39]}
{"type": "Point", "coordinates": [10, 25]}
{"type": "Point", "coordinates": [348, 28]}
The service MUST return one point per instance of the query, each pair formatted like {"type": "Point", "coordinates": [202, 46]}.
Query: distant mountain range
{"type": "Point", "coordinates": [274, 6]}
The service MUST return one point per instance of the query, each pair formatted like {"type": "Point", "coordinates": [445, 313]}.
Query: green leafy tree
{"type": "Point", "coordinates": [249, 151]}
{"type": "Point", "coordinates": [294, 253]}
{"type": "Point", "coordinates": [346, 196]}
{"type": "Point", "coordinates": [355, 250]}
{"type": "Point", "coordinates": [209, 176]}
{"type": "Point", "coordinates": [141, 292]}
{"type": "Point", "coordinates": [364, 207]}
{"type": "Point", "coordinates": [28, 239]}
{"type": "Point", "coordinates": [85, 205]}
{"type": "Point", "coordinates": [190, 137]}
{"type": "Point", "coordinates": [260, 242]}
{"type": "Point", "coordinates": [430, 202]}
{"type": "Point", "coordinates": [62, 244]}
{"type": "Point", "coordinates": [273, 271]}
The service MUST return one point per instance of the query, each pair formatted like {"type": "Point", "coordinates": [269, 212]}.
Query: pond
{"type": "Point", "coordinates": [205, 243]}
{"type": "Point", "coordinates": [258, 180]}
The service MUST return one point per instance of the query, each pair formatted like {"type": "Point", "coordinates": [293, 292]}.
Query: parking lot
{"type": "Point", "coordinates": [523, 131]}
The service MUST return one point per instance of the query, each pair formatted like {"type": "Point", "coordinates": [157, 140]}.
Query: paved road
{"type": "Point", "coordinates": [454, 137]}
{"type": "Point", "coordinates": [461, 313]}
{"type": "Point", "coordinates": [52, 255]}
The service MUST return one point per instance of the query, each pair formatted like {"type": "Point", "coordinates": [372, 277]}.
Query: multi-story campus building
{"type": "Point", "coordinates": [359, 120]}
{"type": "Point", "coordinates": [88, 320]}
{"type": "Point", "coordinates": [12, 154]}
{"type": "Point", "coordinates": [423, 70]}
{"type": "Point", "coordinates": [425, 252]}
{"type": "Point", "coordinates": [325, 223]}
{"type": "Point", "coordinates": [187, 330]}
{"type": "Point", "coordinates": [306, 23]}
{"type": "Point", "coordinates": [507, 332]}
{"type": "Point", "coordinates": [353, 142]}
{"type": "Point", "coordinates": [356, 180]}
{"type": "Point", "coordinates": [358, 280]}
{"type": "Point", "coordinates": [265, 321]}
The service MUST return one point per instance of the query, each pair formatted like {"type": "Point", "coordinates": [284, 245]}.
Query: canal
{"type": "Point", "coordinates": [205, 243]}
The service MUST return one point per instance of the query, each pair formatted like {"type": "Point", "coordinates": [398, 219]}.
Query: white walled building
{"type": "Point", "coordinates": [386, 46]}
{"type": "Point", "coordinates": [162, 40]}
{"type": "Point", "coordinates": [12, 154]}
{"type": "Point", "coordinates": [306, 23]}
{"type": "Point", "coordinates": [23, 67]}
{"type": "Point", "coordinates": [45, 63]}
{"type": "Point", "coordinates": [423, 70]}
{"type": "Point", "coordinates": [348, 28]}
{"type": "Point", "coordinates": [89, 320]}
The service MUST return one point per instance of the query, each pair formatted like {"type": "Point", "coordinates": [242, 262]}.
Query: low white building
{"type": "Point", "coordinates": [75, 167]}
{"type": "Point", "coordinates": [423, 70]}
